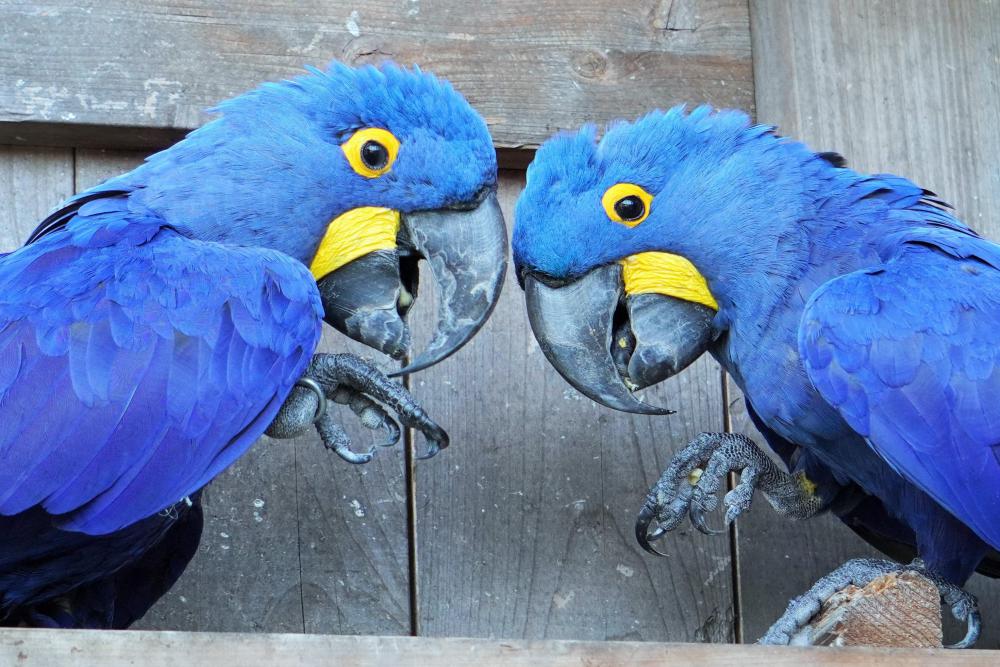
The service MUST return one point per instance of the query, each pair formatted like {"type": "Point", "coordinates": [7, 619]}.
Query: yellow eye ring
{"type": "Point", "coordinates": [627, 203]}
{"type": "Point", "coordinates": [371, 151]}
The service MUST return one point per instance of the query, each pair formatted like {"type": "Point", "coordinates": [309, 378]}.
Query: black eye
{"type": "Point", "coordinates": [630, 208]}
{"type": "Point", "coordinates": [374, 155]}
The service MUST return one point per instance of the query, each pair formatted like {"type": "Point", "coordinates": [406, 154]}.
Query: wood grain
{"type": "Point", "coordinates": [904, 86]}
{"type": "Point", "coordinates": [295, 538]}
{"type": "Point", "coordinates": [124, 73]}
{"type": "Point", "coordinates": [894, 610]}
{"type": "Point", "coordinates": [49, 648]}
{"type": "Point", "coordinates": [524, 525]}
{"type": "Point", "coordinates": [353, 534]}
{"type": "Point", "coordinates": [32, 181]}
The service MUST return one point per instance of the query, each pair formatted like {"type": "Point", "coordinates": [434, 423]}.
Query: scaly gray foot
{"type": "Point", "coordinates": [349, 380]}
{"type": "Point", "coordinates": [690, 485]}
{"type": "Point", "coordinates": [861, 572]}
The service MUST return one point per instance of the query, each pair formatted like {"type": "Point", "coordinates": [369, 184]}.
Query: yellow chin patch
{"type": "Point", "coordinates": [663, 273]}
{"type": "Point", "coordinates": [354, 234]}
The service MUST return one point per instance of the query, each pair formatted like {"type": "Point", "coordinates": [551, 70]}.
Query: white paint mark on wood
{"type": "Point", "coordinates": [352, 24]}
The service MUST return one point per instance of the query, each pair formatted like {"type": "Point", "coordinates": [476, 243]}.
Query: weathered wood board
{"type": "Point", "coordinates": [908, 87]}
{"type": "Point", "coordinates": [524, 526]}
{"type": "Point", "coordinates": [49, 648]}
{"type": "Point", "coordinates": [32, 181]}
{"type": "Point", "coordinates": [121, 73]}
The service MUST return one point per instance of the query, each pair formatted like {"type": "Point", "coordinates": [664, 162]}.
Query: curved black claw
{"type": "Point", "coordinates": [437, 438]}
{"type": "Point", "coordinates": [974, 626]}
{"type": "Point", "coordinates": [643, 535]}
{"type": "Point", "coordinates": [697, 514]}
{"type": "Point", "coordinates": [962, 604]}
{"type": "Point", "coordinates": [337, 440]}
{"type": "Point", "coordinates": [393, 433]}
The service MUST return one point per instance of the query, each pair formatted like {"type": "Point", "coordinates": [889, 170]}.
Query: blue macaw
{"type": "Point", "coordinates": [856, 313]}
{"type": "Point", "coordinates": [152, 327]}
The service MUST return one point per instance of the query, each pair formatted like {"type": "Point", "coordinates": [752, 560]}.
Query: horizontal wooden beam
{"type": "Point", "coordinates": [138, 73]}
{"type": "Point", "coordinates": [45, 648]}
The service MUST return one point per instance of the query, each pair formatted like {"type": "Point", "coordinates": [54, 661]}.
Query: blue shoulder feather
{"type": "Point", "coordinates": [907, 354]}
{"type": "Point", "coordinates": [136, 363]}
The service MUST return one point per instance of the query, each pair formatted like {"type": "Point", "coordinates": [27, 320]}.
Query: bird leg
{"type": "Point", "coordinates": [349, 380]}
{"type": "Point", "coordinates": [690, 484]}
{"type": "Point", "coordinates": [861, 572]}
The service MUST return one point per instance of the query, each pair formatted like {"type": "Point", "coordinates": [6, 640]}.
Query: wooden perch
{"type": "Point", "coordinates": [896, 610]}
{"type": "Point", "coordinates": [55, 648]}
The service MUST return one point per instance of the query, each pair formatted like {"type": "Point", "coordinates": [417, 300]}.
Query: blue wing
{"type": "Point", "coordinates": [908, 354]}
{"type": "Point", "coordinates": [136, 364]}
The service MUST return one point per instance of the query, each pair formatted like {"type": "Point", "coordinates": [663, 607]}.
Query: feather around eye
{"type": "Point", "coordinates": [627, 203]}
{"type": "Point", "coordinates": [371, 151]}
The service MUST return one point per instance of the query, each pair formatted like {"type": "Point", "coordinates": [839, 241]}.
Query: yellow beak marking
{"type": "Point", "coordinates": [670, 275]}
{"type": "Point", "coordinates": [354, 234]}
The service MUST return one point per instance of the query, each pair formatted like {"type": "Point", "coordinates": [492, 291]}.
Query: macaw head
{"type": "Point", "coordinates": [630, 249]}
{"type": "Point", "coordinates": [359, 173]}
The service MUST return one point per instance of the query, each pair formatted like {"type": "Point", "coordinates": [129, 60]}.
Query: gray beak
{"type": "Point", "coordinates": [606, 344]}
{"type": "Point", "coordinates": [466, 250]}
{"type": "Point", "coordinates": [365, 299]}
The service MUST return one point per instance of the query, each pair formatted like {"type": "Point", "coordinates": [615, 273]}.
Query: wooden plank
{"type": "Point", "coordinates": [32, 181]}
{"type": "Point", "coordinates": [294, 537]}
{"type": "Point", "coordinates": [524, 526]}
{"type": "Point", "coordinates": [48, 648]}
{"type": "Point", "coordinates": [530, 66]}
{"type": "Point", "coordinates": [907, 87]}
{"type": "Point", "coordinates": [353, 536]}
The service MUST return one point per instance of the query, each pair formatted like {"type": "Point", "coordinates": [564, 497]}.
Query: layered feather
{"type": "Point", "coordinates": [137, 363]}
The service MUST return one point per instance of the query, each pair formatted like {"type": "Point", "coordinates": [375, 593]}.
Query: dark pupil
{"type": "Point", "coordinates": [374, 155]}
{"type": "Point", "coordinates": [630, 208]}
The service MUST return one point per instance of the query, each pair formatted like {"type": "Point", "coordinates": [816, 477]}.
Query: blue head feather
{"type": "Point", "coordinates": [270, 171]}
{"type": "Point", "coordinates": [718, 181]}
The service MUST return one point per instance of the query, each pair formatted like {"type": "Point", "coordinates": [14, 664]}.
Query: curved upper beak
{"type": "Point", "coordinates": [465, 247]}
{"type": "Point", "coordinates": [607, 343]}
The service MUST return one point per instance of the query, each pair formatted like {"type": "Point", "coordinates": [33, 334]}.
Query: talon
{"type": "Point", "coordinates": [336, 439]}
{"type": "Point", "coordinates": [642, 533]}
{"type": "Point", "coordinates": [656, 534]}
{"type": "Point", "coordinates": [393, 431]}
{"type": "Point", "coordinates": [697, 514]}
{"type": "Point", "coordinates": [351, 456]}
{"type": "Point", "coordinates": [974, 625]}
{"type": "Point", "coordinates": [313, 386]}
{"type": "Point", "coordinates": [437, 438]}
{"type": "Point", "coordinates": [431, 451]}
{"type": "Point", "coordinates": [433, 447]}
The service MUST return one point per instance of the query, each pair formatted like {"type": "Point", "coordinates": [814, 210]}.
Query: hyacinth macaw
{"type": "Point", "coordinates": [152, 328]}
{"type": "Point", "coordinates": [856, 312]}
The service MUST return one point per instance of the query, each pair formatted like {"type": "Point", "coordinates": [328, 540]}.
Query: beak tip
{"type": "Point", "coordinates": [634, 405]}
{"type": "Point", "coordinates": [466, 251]}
